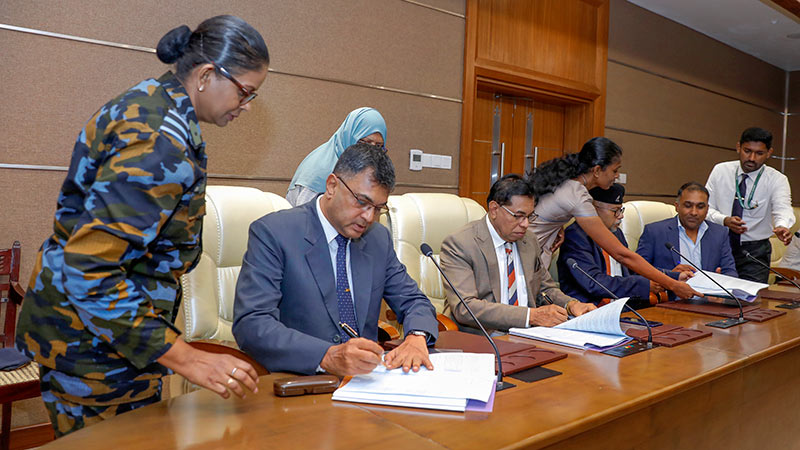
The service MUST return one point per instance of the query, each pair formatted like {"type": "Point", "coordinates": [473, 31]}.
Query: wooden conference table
{"type": "Point", "coordinates": [739, 388]}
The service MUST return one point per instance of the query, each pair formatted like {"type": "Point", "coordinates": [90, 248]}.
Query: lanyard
{"type": "Point", "coordinates": [752, 190]}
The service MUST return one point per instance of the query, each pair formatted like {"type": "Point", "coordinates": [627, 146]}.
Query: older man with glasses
{"type": "Point", "coordinates": [596, 261]}
{"type": "Point", "coordinates": [494, 263]}
{"type": "Point", "coordinates": [309, 293]}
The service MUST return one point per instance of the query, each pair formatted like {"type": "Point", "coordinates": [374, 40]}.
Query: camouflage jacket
{"type": "Point", "coordinates": [127, 225]}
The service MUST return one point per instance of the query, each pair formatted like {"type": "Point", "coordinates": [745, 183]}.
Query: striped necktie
{"type": "Point", "coordinates": [607, 258]}
{"type": "Point", "coordinates": [512, 277]}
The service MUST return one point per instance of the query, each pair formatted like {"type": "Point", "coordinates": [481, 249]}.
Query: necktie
{"type": "Point", "coordinates": [512, 277]}
{"type": "Point", "coordinates": [607, 258]}
{"type": "Point", "coordinates": [738, 210]}
{"type": "Point", "coordinates": [347, 312]}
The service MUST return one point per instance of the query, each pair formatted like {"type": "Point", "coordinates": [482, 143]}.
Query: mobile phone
{"type": "Point", "coordinates": [638, 321]}
{"type": "Point", "coordinates": [302, 385]}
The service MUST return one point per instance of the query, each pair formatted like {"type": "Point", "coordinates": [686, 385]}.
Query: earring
{"type": "Point", "coordinates": [200, 89]}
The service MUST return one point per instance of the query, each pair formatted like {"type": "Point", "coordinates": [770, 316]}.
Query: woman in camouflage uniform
{"type": "Point", "coordinates": [99, 309]}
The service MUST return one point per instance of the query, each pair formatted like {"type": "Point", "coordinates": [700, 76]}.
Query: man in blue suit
{"type": "Point", "coordinates": [313, 278]}
{"type": "Point", "coordinates": [593, 259]}
{"type": "Point", "coordinates": [705, 243]}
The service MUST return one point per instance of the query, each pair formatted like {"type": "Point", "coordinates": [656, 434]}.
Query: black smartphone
{"type": "Point", "coordinates": [638, 321]}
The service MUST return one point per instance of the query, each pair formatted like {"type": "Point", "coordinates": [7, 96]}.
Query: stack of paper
{"type": "Point", "coordinates": [595, 330]}
{"type": "Point", "coordinates": [743, 289]}
{"type": "Point", "coordinates": [455, 379]}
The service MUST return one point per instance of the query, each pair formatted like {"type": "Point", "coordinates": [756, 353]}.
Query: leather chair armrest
{"type": "Point", "coordinates": [228, 348]}
{"type": "Point", "coordinates": [446, 323]}
{"type": "Point", "coordinates": [386, 332]}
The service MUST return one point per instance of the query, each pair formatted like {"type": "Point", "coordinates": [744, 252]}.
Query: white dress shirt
{"type": "Point", "coordinates": [791, 259]}
{"type": "Point", "coordinates": [772, 195]}
{"type": "Point", "coordinates": [688, 247]}
{"type": "Point", "coordinates": [522, 288]}
{"type": "Point", "coordinates": [333, 247]}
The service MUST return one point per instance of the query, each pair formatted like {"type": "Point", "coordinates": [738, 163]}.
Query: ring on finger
{"type": "Point", "coordinates": [233, 372]}
{"type": "Point", "coordinates": [231, 381]}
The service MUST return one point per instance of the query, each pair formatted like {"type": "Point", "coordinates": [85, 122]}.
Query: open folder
{"type": "Point", "coordinates": [595, 330]}
{"type": "Point", "coordinates": [456, 379]}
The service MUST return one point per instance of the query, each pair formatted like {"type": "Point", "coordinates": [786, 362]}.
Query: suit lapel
{"type": "Point", "coordinates": [319, 263]}
{"type": "Point", "coordinates": [362, 280]}
{"type": "Point", "coordinates": [672, 238]}
{"type": "Point", "coordinates": [486, 246]}
{"type": "Point", "coordinates": [705, 256]}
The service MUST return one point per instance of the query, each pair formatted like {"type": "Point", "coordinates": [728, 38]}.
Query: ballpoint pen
{"type": "Point", "coordinates": [348, 329]}
{"type": "Point", "coordinates": [550, 301]}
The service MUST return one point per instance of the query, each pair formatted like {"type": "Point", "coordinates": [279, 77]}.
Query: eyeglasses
{"type": "Point", "coordinates": [519, 216]}
{"type": "Point", "coordinates": [363, 202]}
{"type": "Point", "coordinates": [374, 144]}
{"type": "Point", "coordinates": [617, 211]}
{"type": "Point", "coordinates": [245, 95]}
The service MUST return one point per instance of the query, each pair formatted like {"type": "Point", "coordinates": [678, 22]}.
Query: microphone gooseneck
{"type": "Point", "coordinates": [672, 248]}
{"type": "Point", "coordinates": [574, 264]}
{"type": "Point", "coordinates": [753, 258]}
{"type": "Point", "coordinates": [428, 252]}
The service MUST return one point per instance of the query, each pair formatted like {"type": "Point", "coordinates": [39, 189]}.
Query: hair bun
{"type": "Point", "coordinates": [172, 45]}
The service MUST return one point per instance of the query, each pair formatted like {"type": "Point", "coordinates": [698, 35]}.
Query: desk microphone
{"type": "Point", "coordinates": [753, 258]}
{"type": "Point", "coordinates": [427, 251]}
{"type": "Point", "coordinates": [574, 264]}
{"type": "Point", "coordinates": [719, 323]}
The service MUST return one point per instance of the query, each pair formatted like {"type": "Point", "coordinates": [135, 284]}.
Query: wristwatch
{"type": "Point", "coordinates": [419, 333]}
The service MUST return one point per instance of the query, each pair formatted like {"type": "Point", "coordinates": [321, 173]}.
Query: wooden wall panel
{"type": "Point", "coordinates": [656, 168]}
{"type": "Point", "coordinates": [646, 103]}
{"type": "Point", "coordinates": [387, 42]}
{"type": "Point", "coordinates": [549, 36]}
{"type": "Point", "coordinates": [647, 40]}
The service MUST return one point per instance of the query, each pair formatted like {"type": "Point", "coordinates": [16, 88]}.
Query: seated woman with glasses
{"type": "Point", "coordinates": [365, 125]}
{"type": "Point", "coordinates": [561, 187]}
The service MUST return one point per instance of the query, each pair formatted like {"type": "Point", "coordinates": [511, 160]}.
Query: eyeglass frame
{"type": "Point", "coordinates": [363, 203]}
{"type": "Point", "coordinates": [530, 217]}
{"type": "Point", "coordinates": [617, 211]}
{"type": "Point", "coordinates": [247, 95]}
{"type": "Point", "coordinates": [382, 146]}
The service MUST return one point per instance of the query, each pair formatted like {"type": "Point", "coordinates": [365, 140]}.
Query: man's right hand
{"type": "Point", "coordinates": [355, 357]}
{"type": "Point", "coordinates": [683, 268]}
{"type": "Point", "coordinates": [655, 287]}
{"type": "Point", "coordinates": [547, 316]}
{"type": "Point", "coordinates": [735, 224]}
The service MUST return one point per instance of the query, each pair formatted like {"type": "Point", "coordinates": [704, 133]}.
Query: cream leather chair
{"type": "Point", "coordinates": [639, 213]}
{"type": "Point", "coordinates": [206, 312]}
{"type": "Point", "coordinates": [427, 217]}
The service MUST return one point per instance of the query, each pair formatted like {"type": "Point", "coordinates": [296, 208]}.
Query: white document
{"type": "Point", "coordinates": [744, 289]}
{"type": "Point", "coordinates": [455, 378]}
{"type": "Point", "coordinates": [597, 330]}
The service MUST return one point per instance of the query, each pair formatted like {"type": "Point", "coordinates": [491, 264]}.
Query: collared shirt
{"type": "Point", "coordinates": [500, 251]}
{"type": "Point", "coordinates": [614, 267]}
{"type": "Point", "coordinates": [687, 246]}
{"type": "Point", "coordinates": [772, 195]}
{"type": "Point", "coordinates": [333, 247]}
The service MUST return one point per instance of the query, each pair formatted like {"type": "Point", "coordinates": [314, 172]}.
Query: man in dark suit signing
{"type": "Point", "coordinates": [494, 263]}
{"type": "Point", "coordinates": [597, 262]}
{"type": "Point", "coordinates": [311, 272]}
{"type": "Point", "coordinates": [705, 243]}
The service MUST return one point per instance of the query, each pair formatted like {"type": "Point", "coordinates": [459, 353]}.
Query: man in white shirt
{"type": "Point", "coordinates": [495, 264]}
{"type": "Point", "coordinates": [753, 200]}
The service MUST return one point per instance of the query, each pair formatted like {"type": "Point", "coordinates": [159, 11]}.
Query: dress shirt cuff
{"type": "Point", "coordinates": [527, 319]}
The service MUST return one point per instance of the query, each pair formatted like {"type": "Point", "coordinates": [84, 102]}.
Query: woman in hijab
{"type": "Point", "coordinates": [364, 125]}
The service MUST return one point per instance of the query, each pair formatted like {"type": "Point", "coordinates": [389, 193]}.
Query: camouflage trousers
{"type": "Point", "coordinates": [74, 403]}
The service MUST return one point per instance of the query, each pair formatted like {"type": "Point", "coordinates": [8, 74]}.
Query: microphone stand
{"type": "Point", "coordinates": [790, 305]}
{"type": "Point", "coordinates": [724, 323]}
{"type": "Point", "coordinates": [427, 251]}
{"type": "Point", "coordinates": [574, 264]}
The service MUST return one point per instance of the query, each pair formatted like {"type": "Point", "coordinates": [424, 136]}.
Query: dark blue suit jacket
{"type": "Point", "coordinates": [715, 247]}
{"type": "Point", "coordinates": [589, 256]}
{"type": "Point", "coordinates": [286, 314]}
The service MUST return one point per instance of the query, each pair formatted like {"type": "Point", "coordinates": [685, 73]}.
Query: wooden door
{"type": "Point", "coordinates": [511, 134]}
